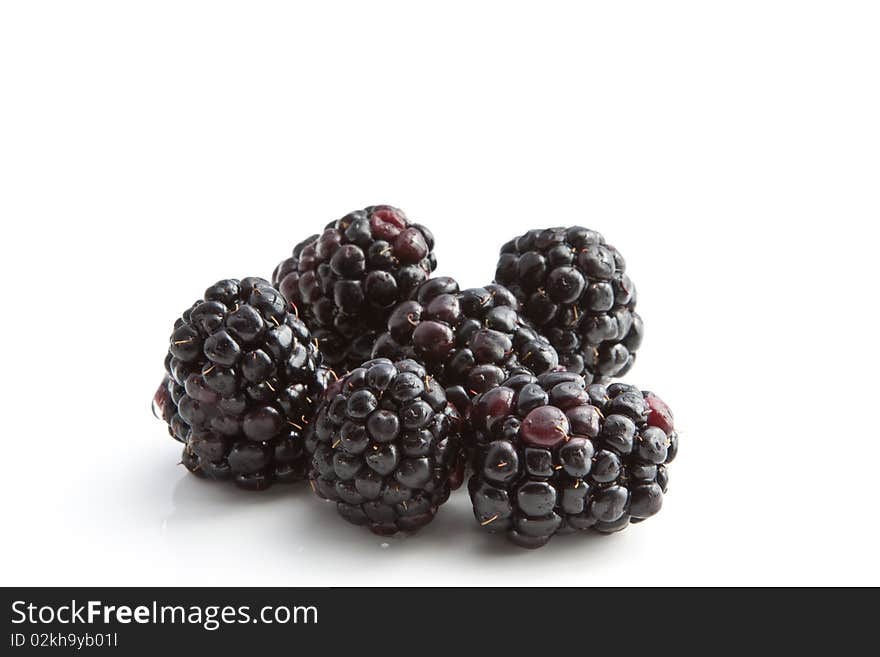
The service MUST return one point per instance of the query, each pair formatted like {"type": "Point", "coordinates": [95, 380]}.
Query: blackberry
{"type": "Point", "coordinates": [555, 455]}
{"type": "Point", "coordinates": [385, 446]}
{"type": "Point", "coordinates": [469, 340]}
{"type": "Point", "coordinates": [287, 272]}
{"type": "Point", "coordinates": [244, 377]}
{"type": "Point", "coordinates": [574, 288]}
{"type": "Point", "coordinates": [347, 280]}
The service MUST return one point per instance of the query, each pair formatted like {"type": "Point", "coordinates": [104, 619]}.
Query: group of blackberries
{"type": "Point", "coordinates": [382, 386]}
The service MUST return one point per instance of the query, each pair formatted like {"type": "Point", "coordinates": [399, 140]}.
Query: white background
{"type": "Point", "coordinates": [730, 150]}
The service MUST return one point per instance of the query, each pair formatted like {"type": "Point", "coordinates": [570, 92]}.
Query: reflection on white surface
{"type": "Point", "coordinates": [287, 517]}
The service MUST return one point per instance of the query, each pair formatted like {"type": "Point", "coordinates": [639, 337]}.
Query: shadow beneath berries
{"type": "Point", "coordinates": [497, 546]}
{"type": "Point", "coordinates": [452, 528]}
{"type": "Point", "coordinates": [313, 526]}
{"type": "Point", "coordinates": [196, 499]}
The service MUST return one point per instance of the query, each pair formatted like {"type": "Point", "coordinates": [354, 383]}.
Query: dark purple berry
{"type": "Point", "coordinates": [574, 288]}
{"type": "Point", "coordinates": [470, 340]}
{"type": "Point", "coordinates": [244, 378]}
{"type": "Point", "coordinates": [346, 281]}
{"type": "Point", "coordinates": [386, 447]}
{"type": "Point", "coordinates": [553, 455]}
